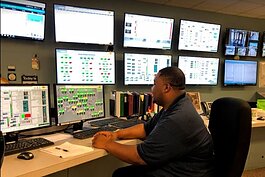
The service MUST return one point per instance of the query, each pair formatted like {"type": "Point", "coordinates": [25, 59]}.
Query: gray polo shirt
{"type": "Point", "coordinates": [177, 142]}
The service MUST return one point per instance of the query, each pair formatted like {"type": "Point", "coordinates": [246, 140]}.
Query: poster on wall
{"type": "Point", "coordinates": [262, 74]}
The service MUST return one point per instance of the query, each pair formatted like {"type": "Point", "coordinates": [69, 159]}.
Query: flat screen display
{"type": "Point", "coordinates": [263, 46]}
{"type": "Point", "coordinates": [24, 107]}
{"type": "Point", "coordinates": [78, 102]}
{"type": "Point", "coordinates": [85, 67]}
{"type": "Point", "coordinates": [199, 70]}
{"type": "Point", "coordinates": [140, 69]}
{"type": "Point", "coordinates": [198, 36]}
{"type": "Point", "coordinates": [240, 72]}
{"type": "Point", "coordinates": [83, 25]}
{"type": "Point", "coordinates": [242, 43]}
{"type": "Point", "coordinates": [22, 19]}
{"type": "Point", "coordinates": [147, 31]}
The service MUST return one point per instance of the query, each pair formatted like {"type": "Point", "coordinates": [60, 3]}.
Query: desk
{"type": "Point", "coordinates": [45, 164]}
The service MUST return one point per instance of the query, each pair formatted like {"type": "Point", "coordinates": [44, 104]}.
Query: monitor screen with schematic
{"type": "Point", "coordinates": [75, 104]}
{"type": "Point", "coordinates": [24, 107]}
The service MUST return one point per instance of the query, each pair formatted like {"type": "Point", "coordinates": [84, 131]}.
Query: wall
{"type": "Point", "coordinates": [20, 52]}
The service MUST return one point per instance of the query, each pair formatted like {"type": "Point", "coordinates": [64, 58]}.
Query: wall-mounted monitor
{"type": "Point", "coordinates": [198, 36]}
{"type": "Point", "coordinates": [23, 19]}
{"type": "Point", "coordinates": [147, 31]}
{"type": "Point", "coordinates": [263, 45]}
{"type": "Point", "coordinates": [240, 72]}
{"type": "Point", "coordinates": [24, 107]}
{"type": "Point", "coordinates": [74, 103]}
{"type": "Point", "coordinates": [85, 67]}
{"type": "Point", "coordinates": [199, 70]}
{"type": "Point", "coordinates": [83, 25]}
{"type": "Point", "coordinates": [140, 69]}
{"type": "Point", "coordinates": [241, 42]}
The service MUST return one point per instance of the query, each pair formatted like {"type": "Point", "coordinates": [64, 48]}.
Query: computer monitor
{"type": "Point", "coordinates": [199, 70]}
{"type": "Point", "coordinates": [140, 69]}
{"type": "Point", "coordinates": [85, 67]}
{"type": "Point", "coordinates": [144, 31]}
{"type": "Point", "coordinates": [198, 36]}
{"type": "Point", "coordinates": [240, 72]}
{"type": "Point", "coordinates": [83, 25]}
{"type": "Point", "coordinates": [24, 107]}
{"type": "Point", "coordinates": [76, 103]}
{"type": "Point", "coordinates": [263, 46]}
{"type": "Point", "coordinates": [23, 19]}
{"type": "Point", "coordinates": [241, 42]}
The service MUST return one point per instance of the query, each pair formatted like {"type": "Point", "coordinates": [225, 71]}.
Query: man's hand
{"type": "Point", "coordinates": [101, 139]}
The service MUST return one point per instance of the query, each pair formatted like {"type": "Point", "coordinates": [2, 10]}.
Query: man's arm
{"type": "Point", "coordinates": [134, 132]}
{"type": "Point", "coordinates": [126, 153]}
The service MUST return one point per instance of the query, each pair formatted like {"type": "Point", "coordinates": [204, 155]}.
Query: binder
{"type": "Point", "coordinates": [112, 103]}
{"type": "Point", "coordinates": [122, 102]}
{"type": "Point", "coordinates": [130, 103]}
{"type": "Point", "coordinates": [136, 103]}
{"type": "Point", "coordinates": [118, 104]}
{"type": "Point", "coordinates": [142, 104]}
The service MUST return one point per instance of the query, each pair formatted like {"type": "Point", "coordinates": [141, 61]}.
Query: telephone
{"type": "Point", "coordinates": [206, 107]}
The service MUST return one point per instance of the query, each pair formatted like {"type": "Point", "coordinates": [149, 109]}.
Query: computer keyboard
{"type": "Point", "coordinates": [127, 123]}
{"type": "Point", "coordinates": [90, 132]}
{"type": "Point", "coordinates": [103, 122]}
{"type": "Point", "coordinates": [25, 145]}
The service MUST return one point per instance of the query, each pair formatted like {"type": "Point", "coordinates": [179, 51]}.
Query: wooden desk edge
{"type": "Point", "coordinates": [9, 170]}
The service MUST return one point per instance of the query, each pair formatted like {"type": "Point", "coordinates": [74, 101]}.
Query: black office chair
{"type": "Point", "coordinates": [2, 148]}
{"type": "Point", "coordinates": [230, 126]}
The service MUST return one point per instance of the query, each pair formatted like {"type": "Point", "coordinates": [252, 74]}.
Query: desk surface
{"type": "Point", "coordinates": [43, 163]}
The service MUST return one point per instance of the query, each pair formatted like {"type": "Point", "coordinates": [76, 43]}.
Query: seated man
{"type": "Point", "coordinates": [175, 141]}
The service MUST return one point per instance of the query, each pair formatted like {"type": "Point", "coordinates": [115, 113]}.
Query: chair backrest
{"type": "Point", "coordinates": [2, 148]}
{"type": "Point", "coordinates": [230, 126]}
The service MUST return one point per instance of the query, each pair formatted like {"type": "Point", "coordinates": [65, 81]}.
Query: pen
{"type": "Point", "coordinates": [65, 150]}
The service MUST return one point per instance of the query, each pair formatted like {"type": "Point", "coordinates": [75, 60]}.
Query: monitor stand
{"type": "Point", "coordinates": [11, 137]}
{"type": "Point", "coordinates": [75, 127]}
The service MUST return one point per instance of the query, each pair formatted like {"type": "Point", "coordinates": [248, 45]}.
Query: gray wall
{"type": "Point", "coordinates": [19, 52]}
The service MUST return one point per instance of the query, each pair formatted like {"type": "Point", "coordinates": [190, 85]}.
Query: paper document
{"type": "Point", "coordinates": [58, 137]}
{"type": "Point", "coordinates": [67, 150]}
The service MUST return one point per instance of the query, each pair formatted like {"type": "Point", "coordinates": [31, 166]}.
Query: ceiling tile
{"type": "Point", "coordinates": [185, 3]}
{"type": "Point", "coordinates": [256, 1]}
{"type": "Point", "coordinates": [248, 8]}
{"type": "Point", "coordinates": [240, 7]}
{"type": "Point", "coordinates": [213, 5]}
{"type": "Point", "coordinates": [260, 11]}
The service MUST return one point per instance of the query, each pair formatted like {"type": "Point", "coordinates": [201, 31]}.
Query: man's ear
{"type": "Point", "coordinates": [167, 88]}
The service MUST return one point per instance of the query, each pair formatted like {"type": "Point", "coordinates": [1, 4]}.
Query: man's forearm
{"type": "Point", "coordinates": [134, 132]}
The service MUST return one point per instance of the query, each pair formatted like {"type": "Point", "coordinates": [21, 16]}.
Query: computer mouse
{"type": "Point", "coordinates": [25, 155]}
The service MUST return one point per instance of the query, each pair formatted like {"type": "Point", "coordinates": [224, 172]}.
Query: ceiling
{"type": "Point", "coordinates": [246, 8]}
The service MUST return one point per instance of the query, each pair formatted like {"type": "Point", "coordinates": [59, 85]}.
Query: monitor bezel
{"type": "Point", "coordinates": [141, 54]}
{"type": "Point", "coordinates": [81, 120]}
{"type": "Point", "coordinates": [152, 16]}
{"type": "Point", "coordinates": [87, 43]}
{"type": "Point", "coordinates": [235, 84]}
{"type": "Point", "coordinates": [218, 69]}
{"type": "Point", "coordinates": [263, 45]}
{"type": "Point", "coordinates": [210, 23]}
{"type": "Point", "coordinates": [30, 38]}
{"type": "Point", "coordinates": [56, 61]}
{"type": "Point", "coordinates": [49, 107]}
